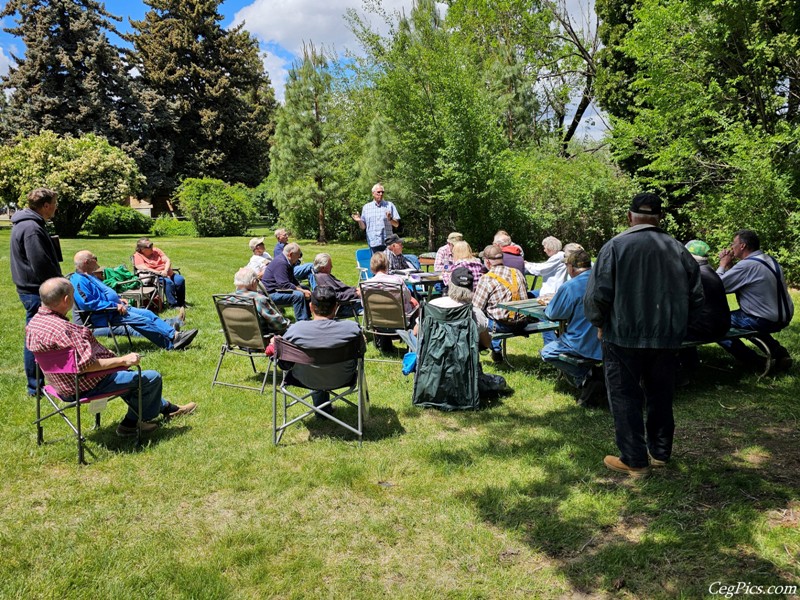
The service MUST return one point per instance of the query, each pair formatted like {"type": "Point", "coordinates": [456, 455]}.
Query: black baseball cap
{"type": "Point", "coordinates": [646, 203]}
{"type": "Point", "coordinates": [462, 277]}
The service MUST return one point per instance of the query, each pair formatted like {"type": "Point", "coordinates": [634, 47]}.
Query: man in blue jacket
{"type": "Point", "coordinates": [34, 260]}
{"type": "Point", "coordinates": [580, 336]}
{"type": "Point", "coordinates": [93, 294]}
{"type": "Point", "coordinates": [282, 285]}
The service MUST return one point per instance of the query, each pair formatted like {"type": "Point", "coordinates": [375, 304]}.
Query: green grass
{"type": "Point", "coordinates": [508, 502]}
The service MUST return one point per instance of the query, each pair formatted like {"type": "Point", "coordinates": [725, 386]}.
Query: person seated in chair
{"type": "Point", "coordinates": [282, 285]}
{"type": "Point", "coordinates": [149, 259]}
{"type": "Point", "coordinates": [93, 295]}
{"type": "Point", "coordinates": [394, 254]}
{"type": "Point", "coordinates": [580, 336]}
{"type": "Point", "coordinates": [261, 258]}
{"type": "Point", "coordinates": [301, 270]}
{"type": "Point", "coordinates": [347, 296]}
{"type": "Point", "coordinates": [444, 255]}
{"type": "Point", "coordinates": [513, 255]}
{"type": "Point", "coordinates": [323, 332]}
{"type": "Point", "coordinates": [501, 284]}
{"type": "Point", "coordinates": [552, 271]}
{"type": "Point", "coordinates": [270, 318]}
{"type": "Point", "coordinates": [459, 292]}
{"type": "Point", "coordinates": [378, 265]}
{"type": "Point", "coordinates": [50, 329]}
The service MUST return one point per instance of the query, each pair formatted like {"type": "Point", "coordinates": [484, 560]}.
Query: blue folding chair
{"type": "Point", "coordinates": [363, 256]}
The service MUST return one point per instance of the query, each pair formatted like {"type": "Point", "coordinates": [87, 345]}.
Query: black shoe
{"type": "Point", "coordinates": [591, 393]}
{"type": "Point", "coordinates": [183, 339]}
{"type": "Point", "coordinates": [784, 363]}
{"type": "Point", "coordinates": [497, 357]}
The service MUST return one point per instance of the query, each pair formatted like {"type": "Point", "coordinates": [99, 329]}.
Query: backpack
{"type": "Point", "coordinates": [120, 279]}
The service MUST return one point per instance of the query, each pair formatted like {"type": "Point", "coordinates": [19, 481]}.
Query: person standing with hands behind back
{"type": "Point", "coordinates": [377, 219]}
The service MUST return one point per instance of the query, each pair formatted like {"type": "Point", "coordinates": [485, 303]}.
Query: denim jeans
{"type": "Point", "coordinates": [175, 289]}
{"type": "Point", "coordinates": [150, 326]}
{"type": "Point", "coordinates": [302, 271]}
{"type": "Point", "coordinates": [639, 380]}
{"type": "Point", "coordinates": [736, 347]}
{"type": "Point", "coordinates": [126, 383]}
{"type": "Point", "coordinates": [31, 302]}
{"type": "Point", "coordinates": [378, 248]}
{"type": "Point", "coordinates": [575, 373]}
{"type": "Point", "coordinates": [501, 327]}
{"type": "Point", "coordinates": [298, 301]}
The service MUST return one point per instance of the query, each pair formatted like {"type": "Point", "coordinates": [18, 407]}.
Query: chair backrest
{"type": "Point", "coordinates": [363, 256]}
{"type": "Point", "coordinates": [447, 359]}
{"type": "Point", "coordinates": [319, 369]}
{"type": "Point", "coordinates": [238, 316]}
{"type": "Point", "coordinates": [57, 361]}
{"type": "Point", "coordinates": [383, 305]}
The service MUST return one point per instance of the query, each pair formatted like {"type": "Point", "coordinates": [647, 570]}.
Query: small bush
{"type": "Point", "coordinates": [166, 226]}
{"type": "Point", "coordinates": [106, 220]}
{"type": "Point", "coordinates": [215, 208]}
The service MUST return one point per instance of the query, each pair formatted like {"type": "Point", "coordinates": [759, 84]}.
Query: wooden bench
{"type": "Point", "coordinates": [531, 328]}
{"type": "Point", "coordinates": [733, 333]}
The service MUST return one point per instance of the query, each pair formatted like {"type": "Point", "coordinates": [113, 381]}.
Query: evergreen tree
{"type": "Point", "coordinates": [302, 151]}
{"type": "Point", "coordinates": [71, 79]}
{"type": "Point", "coordinates": [212, 98]}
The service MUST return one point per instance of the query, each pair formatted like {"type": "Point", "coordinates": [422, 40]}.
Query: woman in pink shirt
{"type": "Point", "coordinates": [149, 259]}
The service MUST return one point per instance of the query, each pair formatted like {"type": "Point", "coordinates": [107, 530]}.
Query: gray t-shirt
{"type": "Point", "coordinates": [323, 334]}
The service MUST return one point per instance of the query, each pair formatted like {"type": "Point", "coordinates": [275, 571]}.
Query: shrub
{"type": "Point", "coordinates": [116, 218]}
{"type": "Point", "coordinates": [215, 208]}
{"type": "Point", "coordinates": [166, 226]}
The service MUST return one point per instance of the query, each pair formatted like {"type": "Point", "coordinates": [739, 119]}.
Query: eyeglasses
{"type": "Point", "coordinates": [379, 192]}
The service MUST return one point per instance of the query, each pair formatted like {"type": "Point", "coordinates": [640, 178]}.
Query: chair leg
{"type": "Point", "coordinates": [219, 364]}
{"type": "Point", "coordinates": [79, 433]}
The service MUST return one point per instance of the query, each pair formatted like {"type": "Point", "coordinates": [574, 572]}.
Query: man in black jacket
{"type": "Point", "coordinates": [34, 260]}
{"type": "Point", "coordinates": [643, 292]}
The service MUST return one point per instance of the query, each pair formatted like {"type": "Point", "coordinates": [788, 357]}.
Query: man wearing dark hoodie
{"type": "Point", "coordinates": [34, 260]}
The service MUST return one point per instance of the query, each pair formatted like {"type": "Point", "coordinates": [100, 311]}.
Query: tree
{"type": "Point", "coordinates": [71, 80]}
{"type": "Point", "coordinates": [714, 123]}
{"type": "Point", "coordinates": [85, 172]}
{"type": "Point", "coordinates": [302, 151]}
{"type": "Point", "coordinates": [211, 90]}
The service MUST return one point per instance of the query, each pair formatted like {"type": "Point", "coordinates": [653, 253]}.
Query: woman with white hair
{"type": "Point", "coordinates": [553, 271]}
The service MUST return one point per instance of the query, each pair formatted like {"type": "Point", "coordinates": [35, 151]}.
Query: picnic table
{"type": "Point", "coordinates": [423, 284]}
{"type": "Point", "coordinates": [529, 307]}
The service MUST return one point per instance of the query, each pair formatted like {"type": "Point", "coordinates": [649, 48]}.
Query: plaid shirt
{"type": "Point", "coordinates": [396, 262]}
{"type": "Point", "coordinates": [489, 293]}
{"type": "Point", "coordinates": [269, 317]}
{"type": "Point", "coordinates": [378, 227]}
{"type": "Point", "coordinates": [49, 330]}
{"type": "Point", "coordinates": [444, 258]}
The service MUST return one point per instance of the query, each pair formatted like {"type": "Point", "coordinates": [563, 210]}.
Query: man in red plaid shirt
{"type": "Point", "coordinates": [50, 329]}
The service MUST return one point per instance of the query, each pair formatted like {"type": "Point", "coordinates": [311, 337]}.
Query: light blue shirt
{"type": "Point", "coordinates": [378, 227]}
{"type": "Point", "coordinates": [567, 305]}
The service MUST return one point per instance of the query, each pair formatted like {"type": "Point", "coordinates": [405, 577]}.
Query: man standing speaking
{"type": "Point", "coordinates": [643, 291]}
{"type": "Point", "coordinates": [377, 218]}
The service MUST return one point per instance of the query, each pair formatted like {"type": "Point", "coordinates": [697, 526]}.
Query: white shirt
{"type": "Point", "coordinates": [553, 272]}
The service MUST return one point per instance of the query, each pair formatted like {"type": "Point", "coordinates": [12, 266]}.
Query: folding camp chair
{"type": "Point", "coordinates": [150, 294]}
{"type": "Point", "coordinates": [363, 256]}
{"type": "Point", "coordinates": [65, 361]}
{"type": "Point", "coordinates": [84, 317]}
{"type": "Point", "coordinates": [319, 370]}
{"type": "Point", "coordinates": [238, 316]}
{"type": "Point", "coordinates": [447, 359]}
{"type": "Point", "coordinates": [384, 310]}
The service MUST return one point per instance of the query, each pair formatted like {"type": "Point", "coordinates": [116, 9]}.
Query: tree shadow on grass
{"type": "Point", "coordinates": [707, 517]}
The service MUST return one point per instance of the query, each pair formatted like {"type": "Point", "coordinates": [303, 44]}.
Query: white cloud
{"type": "Point", "coordinates": [5, 62]}
{"type": "Point", "coordinates": [289, 23]}
{"type": "Point", "coordinates": [278, 70]}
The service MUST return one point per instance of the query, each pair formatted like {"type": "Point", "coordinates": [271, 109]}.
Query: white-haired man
{"type": "Point", "coordinates": [377, 219]}
{"type": "Point", "coordinates": [282, 285]}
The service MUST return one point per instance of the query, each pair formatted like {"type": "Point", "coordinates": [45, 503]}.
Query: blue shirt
{"type": "Point", "coordinates": [378, 227]}
{"type": "Point", "coordinates": [567, 305]}
{"type": "Point", "coordinates": [93, 294]}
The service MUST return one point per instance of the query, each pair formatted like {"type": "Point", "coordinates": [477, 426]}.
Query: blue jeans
{"type": "Point", "coordinates": [640, 379]}
{"type": "Point", "coordinates": [298, 301]}
{"type": "Point", "coordinates": [150, 326]}
{"type": "Point", "coordinates": [575, 373]}
{"type": "Point", "coordinates": [736, 347]}
{"type": "Point", "coordinates": [31, 302]}
{"type": "Point", "coordinates": [174, 289]}
{"type": "Point", "coordinates": [378, 248]}
{"type": "Point", "coordinates": [126, 383]}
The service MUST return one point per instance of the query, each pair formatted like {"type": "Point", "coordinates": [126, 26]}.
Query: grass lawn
{"type": "Point", "coordinates": [508, 502]}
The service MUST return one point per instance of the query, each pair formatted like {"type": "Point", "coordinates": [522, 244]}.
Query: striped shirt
{"type": "Point", "coordinates": [49, 330]}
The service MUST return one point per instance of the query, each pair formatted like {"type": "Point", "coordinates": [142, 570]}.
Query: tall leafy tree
{"type": "Point", "coordinates": [302, 152]}
{"type": "Point", "coordinates": [71, 79]}
{"type": "Point", "coordinates": [209, 87]}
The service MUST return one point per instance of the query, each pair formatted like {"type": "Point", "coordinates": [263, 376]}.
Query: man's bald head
{"type": "Point", "coordinates": [82, 259]}
{"type": "Point", "coordinates": [54, 291]}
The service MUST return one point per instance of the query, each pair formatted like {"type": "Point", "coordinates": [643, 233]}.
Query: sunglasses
{"type": "Point", "coordinates": [379, 192]}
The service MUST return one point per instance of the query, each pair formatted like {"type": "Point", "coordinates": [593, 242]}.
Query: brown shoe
{"type": "Point", "coordinates": [183, 410]}
{"type": "Point", "coordinates": [615, 464]}
{"type": "Point", "coordinates": [130, 431]}
{"type": "Point", "coordinates": [654, 462]}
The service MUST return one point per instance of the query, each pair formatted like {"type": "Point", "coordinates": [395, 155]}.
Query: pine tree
{"type": "Point", "coordinates": [209, 84]}
{"type": "Point", "coordinates": [72, 79]}
{"type": "Point", "coordinates": [302, 164]}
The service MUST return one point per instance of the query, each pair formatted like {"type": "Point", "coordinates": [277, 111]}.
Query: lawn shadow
{"type": "Point", "coordinates": [383, 422]}
{"type": "Point", "coordinates": [700, 520]}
